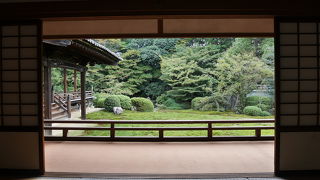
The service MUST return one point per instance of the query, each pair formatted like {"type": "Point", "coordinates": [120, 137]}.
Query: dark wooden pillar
{"type": "Point", "coordinates": [47, 91]}
{"type": "Point", "coordinates": [83, 94]}
{"type": "Point", "coordinates": [47, 95]}
{"type": "Point", "coordinates": [75, 85]}
{"type": "Point", "coordinates": [65, 82]}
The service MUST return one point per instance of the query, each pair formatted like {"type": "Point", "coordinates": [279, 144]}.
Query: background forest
{"type": "Point", "coordinates": [182, 73]}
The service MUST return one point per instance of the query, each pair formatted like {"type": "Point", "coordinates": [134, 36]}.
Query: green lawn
{"type": "Point", "coordinates": [177, 115]}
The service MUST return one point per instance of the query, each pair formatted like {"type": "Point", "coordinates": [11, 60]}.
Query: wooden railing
{"type": "Point", "coordinates": [64, 100]}
{"type": "Point", "coordinates": [210, 127]}
{"type": "Point", "coordinates": [75, 96]}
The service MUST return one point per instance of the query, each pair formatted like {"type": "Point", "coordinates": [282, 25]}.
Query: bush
{"type": "Point", "coordinates": [264, 107]}
{"type": "Point", "coordinates": [125, 102]}
{"type": "Point", "coordinates": [255, 100]}
{"type": "Point", "coordinates": [99, 99]}
{"type": "Point", "coordinates": [265, 113]}
{"type": "Point", "coordinates": [252, 111]}
{"type": "Point", "coordinates": [161, 99]}
{"type": "Point", "coordinates": [208, 107]}
{"type": "Point", "coordinates": [99, 103]}
{"type": "Point", "coordinates": [110, 102]}
{"type": "Point", "coordinates": [142, 104]}
{"type": "Point", "coordinates": [209, 103]}
{"type": "Point", "coordinates": [165, 102]}
{"type": "Point", "coordinates": [197, 103]}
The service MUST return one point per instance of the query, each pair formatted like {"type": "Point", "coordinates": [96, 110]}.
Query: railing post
{"type": "Point", "coordinates": [209, 130]}
{"type": "Point", "coordinates": [161, 133]}
{"type": "Point", "coordinates": [112, 131]}
{"type": "Point", "coordinates": [65, 133]}
{"type": "Point", "coordinates": [258, 132]}
{"type": "Point", "coordinates": [69, 106]}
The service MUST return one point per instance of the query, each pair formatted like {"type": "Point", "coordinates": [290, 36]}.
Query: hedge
{"type": "Point", "coordinates": [125, 102]}
{"type": "Point", "coordinates": [110, 102]}
{"type": "Point", "coordinates": [252, 111]}
{"type": "Point", "coordinates": [142, 104]}
{"type": "Point", "coordinates": [265, 113]}
{"type": "Point", "coordinates": [263, 107]}
{"type": "Point", "coordinates": [99, 99]}
{"type": "Point", "coordinates": [196, 103]}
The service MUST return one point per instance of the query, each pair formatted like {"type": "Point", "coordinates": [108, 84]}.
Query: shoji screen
{"type": "Point", "coordinates": [297, 80]}
{"type": "Point", "coordinates": [20, 96]}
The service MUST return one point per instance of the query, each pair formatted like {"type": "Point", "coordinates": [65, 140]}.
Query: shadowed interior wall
{"type": "Point", "coordinates": [20, 96]}
{"type": "Point", "coordinates": [298, 138]}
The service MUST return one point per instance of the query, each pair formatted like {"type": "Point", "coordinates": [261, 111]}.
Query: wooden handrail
{"type": "Point", "coordinates": [161, 130]}
{"type": "Point", "coordinates": [160, 121]}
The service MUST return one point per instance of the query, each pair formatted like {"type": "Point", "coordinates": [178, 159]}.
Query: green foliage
{"type": "Point", "coordinates": [224, 69]}
{"type": "Point", "coordinates": [252, 111]}
{"type": "Point", "coordinates": [153, 89]}
{"type": "Point", "coordinates": [99, 99]}
{"type": "Point", "coordinates": [210, 103]}
{"type": "Point", "coordinates": [255, 100]}
{"type": "Point", "coordinates": [185, 77]}
{"type": "Point", "coordinates": [265, 113]}
{"type": "Point", "coordinates": [238, 75]}
{"type": "Point", "coordinates": [142, 104]}
{"type": "Point", "coordinates": [125, 102]}
{"type": "Point", "coordinates": [165, 102]}
{"type": "Point", "coordinates": [111, 101]}
{"type": "Point", "coordinates": [263, 107]}
{"type": "Point", "coordinates": [196, 103]}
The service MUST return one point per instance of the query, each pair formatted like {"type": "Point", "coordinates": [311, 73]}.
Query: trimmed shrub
{"type": "Point", "coordinates": [252, 111]}
{"type": "Point", "coordinates": [264, 107]}
{"type": "Point", "coordinates": [197, 103]}
{"type": "Point", "coordinates": [110, 102]}
{"type": "Point", "coordinates": [99, 103]}
{"type": "Point", "coordinates": [125, 102]}
{"type": "Point", "coordinates": [265, 113]}
{"type": "Point", "coordinates": [142, 104]}
{"type": "Point", "coordinates": [99, 99]}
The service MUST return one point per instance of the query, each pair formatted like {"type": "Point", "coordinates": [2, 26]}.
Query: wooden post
{"type": "Point", "coordinates": [65, 83]}
{"type": "Point", "coordinates": [69, 106]}
{"type": "Point", "coordinates": [161, 133]}
{"type": "Point", "coordinates": [258, 132]}
{"type": "Point", "coordinates": [47, 96]}
{"type": "Point", "coordinates": [112, 131]}
{"type": "Point", "coordinates": [83, 94]}
{"type": "Point", "coordinates": [210, 130]}
{"type": "Point", "coordinates": [75, 85]}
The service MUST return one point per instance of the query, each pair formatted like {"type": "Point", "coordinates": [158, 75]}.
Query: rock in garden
{"type": "Point", "coordinates": [117, 110]}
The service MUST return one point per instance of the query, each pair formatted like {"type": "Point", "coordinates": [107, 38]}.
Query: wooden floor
{"type": "Point", "coordinates": [160, 158]}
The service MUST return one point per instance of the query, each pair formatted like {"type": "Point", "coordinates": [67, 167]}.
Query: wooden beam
{"type": "Point", "coordinates": [75, 85]}
{"type": "Point", "coordinates": [83, 95]}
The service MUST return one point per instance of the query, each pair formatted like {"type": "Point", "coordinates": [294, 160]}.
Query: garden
{"type": "Point", "coordinates": [184, 79]}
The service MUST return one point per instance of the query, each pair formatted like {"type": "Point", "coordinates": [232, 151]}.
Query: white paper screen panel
{"type": "Point", "coordinates": [19, 75]}
{"type": "Point", "coordinates": [298, 57]}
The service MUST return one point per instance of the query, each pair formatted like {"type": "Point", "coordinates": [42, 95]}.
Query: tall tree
{"type": "Point", "coordinates": [238, 75]}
